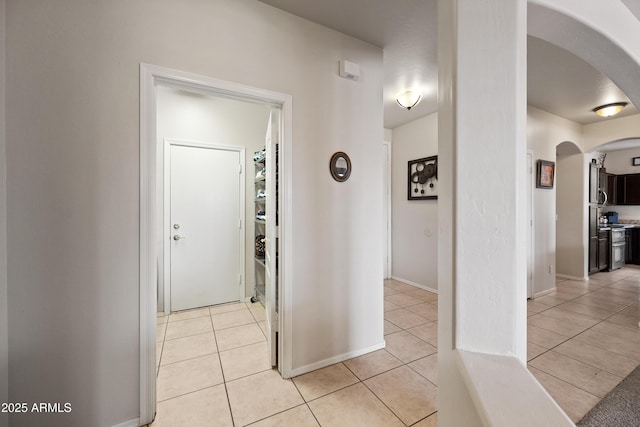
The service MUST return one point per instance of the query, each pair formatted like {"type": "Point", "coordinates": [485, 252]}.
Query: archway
{"type": "Point", "coordinates": [617, 161]}
{"type": "Point", "coordinates": [596, 38]}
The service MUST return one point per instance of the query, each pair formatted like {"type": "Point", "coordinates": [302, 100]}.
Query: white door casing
{"type": "Point", "coordinates": [204, 214]}
{"type": "Point", "coordinates": [270, 253]}
{"type": "Point", "coordinates": [530, 235]}
{"type": "Point", "coordinates": [386, 227]}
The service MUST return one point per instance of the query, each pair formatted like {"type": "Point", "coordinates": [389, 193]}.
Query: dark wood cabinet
{"type": "Point", "coordinates": [632, 189]}
{"type": "Point", "coordinates": [628, 238]}
{"type": "Point", "coordinates": [628, 189]}
{"type": "Point", "coordinates": [603, 250]}
{"type": "Point", "coordinates": [593, 239]}
{"type": "Point", "coordinates": [635, 246]}
{"type": "Point", "coordinates": [611, 188]}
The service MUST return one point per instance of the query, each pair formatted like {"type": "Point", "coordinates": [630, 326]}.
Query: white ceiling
{"type": "Point", "coordinates": [558, 82]}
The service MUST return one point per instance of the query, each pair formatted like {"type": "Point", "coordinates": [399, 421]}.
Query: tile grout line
{"type": "Point", "coordinates": [402, 361]}
{"type": "Point", "coordinates": [224, 380]}
{"type": "Point", "coordinates": [580, 333]}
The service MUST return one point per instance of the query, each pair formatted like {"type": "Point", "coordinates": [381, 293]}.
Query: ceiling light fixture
{"type": "Point", "coordinates": [409, 99]}
{"type": "Point", "coordinates": [609, 110]}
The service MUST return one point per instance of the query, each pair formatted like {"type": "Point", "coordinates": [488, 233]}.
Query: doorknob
{"type": "Point", "coordinates": [176, 237]}
{"type": "Point", "coordinates": [176, 226]}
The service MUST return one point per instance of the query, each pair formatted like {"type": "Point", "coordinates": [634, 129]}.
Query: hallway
{"type": "Point", "coordinates": [213, 370]}
{"type": "Point", "coordinates": [583, 339]}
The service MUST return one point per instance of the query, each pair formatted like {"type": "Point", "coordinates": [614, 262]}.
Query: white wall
{"type": "Point", "coordinates": [600, 133]}
{"type": "Point", "coordinates": [189, 116]}
{"type": "Point", "coordinates": [415, 222]}
{"type": "Point", "coordinates": [570, 209]}
{"type": "Point", "coordinates": [544, 132]}
{"type": "Point", "coordinates": [4, 356]}
{"type": "Point", "coordinates": [73, 185]}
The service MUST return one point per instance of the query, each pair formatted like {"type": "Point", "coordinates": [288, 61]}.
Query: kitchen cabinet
{"type": "Point", "coordinates": [603, 250]}
{"type": "Point", "coordinates": [628, 238]}
{"type": "Point", "coordinates": [628, 189]}
{"type": "Point", "coordinates": [635, 246]}
{"type": "Point", "coordinates": [611, 188]}
{"type": "Point", "coordinates": [593, 239]}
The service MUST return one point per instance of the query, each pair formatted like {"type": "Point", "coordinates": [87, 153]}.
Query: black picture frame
{"type": "Point", "coordinates": [546, 172]}
{"type": "Point", "coordinates": [422, 178]}
{"type": "Point", "coordinates": [635, 161]}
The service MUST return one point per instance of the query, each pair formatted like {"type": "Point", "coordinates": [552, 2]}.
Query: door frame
{"type": "Point", "coordinates": [152, 76]}
{"type": "Point", "coordinates": [387, 207]}
{"type": "Point", "coordinates": [531, 234]}
{"type": "Point", "coordinates": [166, 234]}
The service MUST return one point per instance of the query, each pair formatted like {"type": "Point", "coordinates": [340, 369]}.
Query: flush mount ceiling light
{"type": "Point", "coordinates": [609, 110]}
{"type": "Point", "coordinates": [409, 99]}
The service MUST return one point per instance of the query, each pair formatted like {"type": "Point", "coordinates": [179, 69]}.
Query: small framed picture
{"type": "Point", "coordinates": [635, 161]}
{"type": "Point", "coordinates": [546, 172]}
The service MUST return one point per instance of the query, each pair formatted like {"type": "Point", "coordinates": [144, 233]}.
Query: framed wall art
{"type": "Point", "coordinates": [423, 179]}
{"type": "Point", "coordinates": [546, 173]}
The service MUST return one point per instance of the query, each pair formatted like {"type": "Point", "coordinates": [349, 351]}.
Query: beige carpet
{"type": "Point", "coordinates": [619, 408]}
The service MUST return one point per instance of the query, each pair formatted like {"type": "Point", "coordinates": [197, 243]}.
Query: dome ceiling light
{"type": "Point", "coordinates": [409, 99]}
{"type": "Point", "coordinates": [610, 110]}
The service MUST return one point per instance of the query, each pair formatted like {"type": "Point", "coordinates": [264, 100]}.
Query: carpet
{"type": "Point", "coordinates": [619, 408]}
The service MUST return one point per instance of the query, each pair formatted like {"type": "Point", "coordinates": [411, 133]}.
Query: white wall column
{"type": "Point", "coordinates": [482, 200]}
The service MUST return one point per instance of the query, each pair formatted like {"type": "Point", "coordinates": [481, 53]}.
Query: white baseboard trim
{"type": "Point", "coordinates": [543, 293]}
{"type": "Point", "coordinates": [417, 285]}
{"type": "Point", "coordinates": [336, 359]}
{"type": "Point", "coordinates": [131, 423]}
{"type": "Point", "coordinates": [568, 277]}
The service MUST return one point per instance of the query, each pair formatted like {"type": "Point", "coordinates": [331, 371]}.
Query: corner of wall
{"type": "Point", "coordinates": [388, 135]}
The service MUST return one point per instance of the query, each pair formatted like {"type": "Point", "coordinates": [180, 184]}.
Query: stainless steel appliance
{"type": "Point", "coordinates": [618, 248]}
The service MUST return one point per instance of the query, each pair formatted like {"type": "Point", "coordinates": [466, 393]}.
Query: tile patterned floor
{"type": "Point", "coordinates": [583, 339]}
{"type": "Point", "coordinates": [213, 368]}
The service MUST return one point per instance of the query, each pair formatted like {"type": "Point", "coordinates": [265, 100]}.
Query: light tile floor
{"type": "Point", "coordinates": [583, 339]}
{"type": "Point", "coordinates": [213, 368]}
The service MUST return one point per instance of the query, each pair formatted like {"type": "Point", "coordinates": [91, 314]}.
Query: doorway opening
{"type": "Point", "coordinates": [152, 80]}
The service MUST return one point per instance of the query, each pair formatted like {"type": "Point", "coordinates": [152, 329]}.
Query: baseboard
{"type": "Point", "coordinates": [131, 423]}
{"type": "Point", "coordinates": [543, 293]}
{"type": "Point", "coordinates": [417, 285]}
{"type": "Point", "coordinates": [336, 359]}
{"type": "Point", "coordinates": [568, 277]}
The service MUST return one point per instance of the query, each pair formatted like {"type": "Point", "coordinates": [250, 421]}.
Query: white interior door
{"type": "Point", "coordinates": [204, 226]}
{"type": "Point", "coordinates": [271, 243]}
